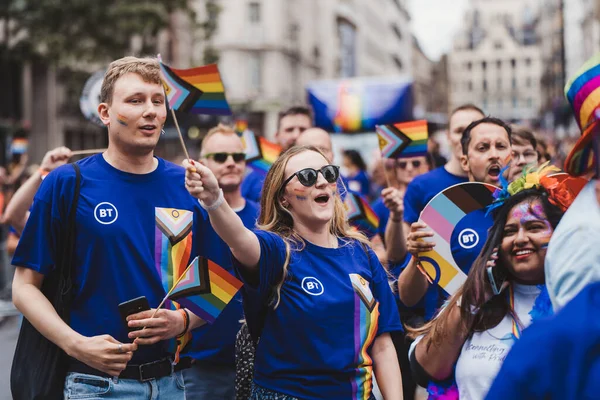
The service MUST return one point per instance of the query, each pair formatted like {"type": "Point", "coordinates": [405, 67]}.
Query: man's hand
{"type": "Point", "coordinates": [55, 158]}
{"type": "Point", "coordinates": [414, 242]}
{"type": "Point", "coordinates": [201, 182]}
{"type": "Point", "coordinates": [393, 199]}
{"type": "Point", "coordinates": [103, 353]}
{"type": "Point", "coordinates": [166, 324]}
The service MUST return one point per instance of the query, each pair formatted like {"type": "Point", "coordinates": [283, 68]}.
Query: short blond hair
{"type": "Point", "coordinates": [147, 68]}
{"type": "Point", "coordinates": [221, 128]}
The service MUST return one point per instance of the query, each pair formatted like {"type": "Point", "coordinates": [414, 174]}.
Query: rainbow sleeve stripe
{"type": "Point", "coordinates": [223, 287]}
{"type": "Point", "coordinates": [583, 92]}
{"type": "Point", "coordinates": [407, 139]}
{"type": "Point", "coordinates": [269, 152]}
{"type": "Point", "coordinates": [366, 318]}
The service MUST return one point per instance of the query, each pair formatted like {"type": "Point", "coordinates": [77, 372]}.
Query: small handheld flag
{"type": "Point", "coordinates": [408, 139]}
{"type": "Point", "coordinates": [360, 214]}
{"type": "Point", "coordinates": [260, 153]}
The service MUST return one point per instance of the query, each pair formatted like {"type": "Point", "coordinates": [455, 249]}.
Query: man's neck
{"type": "Point", "coordinates": [134, 164]}
{"type": "Point", "coordinates": [234, 198]}
{"type": "Point", "coordinates": [453, 166]}
{"type": "Point", "coordinates": [321, 237]}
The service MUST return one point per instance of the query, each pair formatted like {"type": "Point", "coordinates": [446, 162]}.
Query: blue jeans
{"type": "Point", "coordinates": [206, 381]}
{"type": "Point", "coordinates": [90, 387]}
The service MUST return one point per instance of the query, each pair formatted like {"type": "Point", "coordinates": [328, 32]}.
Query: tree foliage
{"type": "Point", "coordinates": [67, 31]}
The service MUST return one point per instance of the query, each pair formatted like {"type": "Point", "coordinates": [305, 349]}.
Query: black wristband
{"type": "Point", "coordinates": [186, 325]}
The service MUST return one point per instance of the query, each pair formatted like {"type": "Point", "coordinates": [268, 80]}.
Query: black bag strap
{"type": "Point", "coordinates": [66, 263]}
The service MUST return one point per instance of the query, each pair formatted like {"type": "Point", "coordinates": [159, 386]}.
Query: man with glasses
{"type": "Point", "coordinates": [524, 153]}
{"type": "Point", "coordinates": [292, 122]}
{"type": "Point", "coordinates": [212, 376]}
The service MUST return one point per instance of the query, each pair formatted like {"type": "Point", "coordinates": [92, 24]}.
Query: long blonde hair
{"type": "Point", "coordinates": [274, 217]}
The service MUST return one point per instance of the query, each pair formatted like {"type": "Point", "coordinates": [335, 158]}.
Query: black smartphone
{"type": "Point", "coordinates": [133, 306]}
{"type": "Point", "coordinates": [497, 276]}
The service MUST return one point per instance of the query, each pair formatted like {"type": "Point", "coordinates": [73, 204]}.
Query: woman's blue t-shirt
{"type": "Point", "coordinates": [334, 303]}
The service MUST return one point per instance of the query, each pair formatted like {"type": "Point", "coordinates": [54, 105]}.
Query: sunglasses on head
{"type": "Point", "coordinates": [404, 164]}
{"type": "Point", "coordinates": [222, 157]}
{"type": "Point", "coordinates": [308, 176]}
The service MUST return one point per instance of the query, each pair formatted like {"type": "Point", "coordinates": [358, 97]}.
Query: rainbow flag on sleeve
{"type": "Point", "coordinates": [196, 90]}
{"type": "Point", "coordinates": [407, 139]}
{"type": "Point", "coordinates": [206, 289]}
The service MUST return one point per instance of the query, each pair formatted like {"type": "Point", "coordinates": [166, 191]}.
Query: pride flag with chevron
{"type": "Point", "coordinates": [260, 153]}
{"type": "Point", "coordinates": [205, 289]}
{"type": "Point", "coordinates": [406, 139]}
{"type": "Point", "coordinates": [360, 214]}
{"type": "Point", "coordinates": [196, 90]}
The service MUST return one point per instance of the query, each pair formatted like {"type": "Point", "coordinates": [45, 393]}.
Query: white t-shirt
{"type": "Point", "coordinates": [483, 353]}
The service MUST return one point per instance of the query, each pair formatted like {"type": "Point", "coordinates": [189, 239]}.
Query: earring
{"type": "Point", "coordinates": [162, 131]}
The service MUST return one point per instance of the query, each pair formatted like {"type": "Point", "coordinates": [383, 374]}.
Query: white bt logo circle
{"type": "Point", "coordinates": [312, 286]}
{"type": "Point", "coordinates": [468, 238]}
{"type": "Point", "coordinates": [106, 213]}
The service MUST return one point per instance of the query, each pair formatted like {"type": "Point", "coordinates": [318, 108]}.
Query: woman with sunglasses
{"type": "Point", "coordinates": [314, 291]}
{"type": "Point", "coordinates": [503, 294]}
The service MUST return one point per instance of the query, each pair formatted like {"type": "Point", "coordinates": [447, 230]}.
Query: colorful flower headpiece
{"type": "Point", "coordinates": [561, 188]}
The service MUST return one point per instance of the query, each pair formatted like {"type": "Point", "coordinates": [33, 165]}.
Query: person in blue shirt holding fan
{"type": "Point", "coordinates": [212, 374]}
{"type": "Point", "coordinates": [123, 192]}
{"type": "Point", "coordinates": [323, 308]}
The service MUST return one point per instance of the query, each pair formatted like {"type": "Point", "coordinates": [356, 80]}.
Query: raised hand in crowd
{"type": "Point", "coordinates": [412, 283]}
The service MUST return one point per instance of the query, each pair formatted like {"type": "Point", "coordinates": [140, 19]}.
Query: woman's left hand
{"type": "Point", "coordinates": [166, 324]}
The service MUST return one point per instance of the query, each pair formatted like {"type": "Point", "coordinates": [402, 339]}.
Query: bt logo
{"type": "Point", "coordinates": [468, 238]}
{"type": "Point", "coordinates": [312, 286]}
{"type": "Point", "coordinates": [106, 213]}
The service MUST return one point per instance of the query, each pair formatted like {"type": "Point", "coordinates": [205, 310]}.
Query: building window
{"type": "Point", "coordinates": [398, 62]}
{"type": "Point", "coordinates": [499, 64]}
{"type": "Point", "coordinates": [347, 40]}
{"type": "Point", "coordinates": [397, 31]}
{"type": "Point", "coordinates": [499, 83]}
{"type": "Point", "coordinates": [514, 83]}
{"type": "Point", "coordinates": [470, 86]}
{"type": "Point", "coordinates": [528, 82]}
{"type": "Point", "coordinates": [484, 65]}
{"type": "Point", "coordinates": [528, 61]}
{"type": "Point", "coordinates": [484, 85]}
{"type": "Point", "coordinates": [529, 102]}
{"type": "Point", "coordinates": [255, 69]}
{"type": "Point", "coordinates": [513, 63]}
{"type": "Point", "coordinates": [254, 12]}
{"type": "Point", "coordinates": [515, 103]}
{"type": "Point", "coordinates": [498, 45]}
{"type": "Point", "coordinates": [469, 65]}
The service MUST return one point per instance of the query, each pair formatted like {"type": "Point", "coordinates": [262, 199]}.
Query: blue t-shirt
{"type": "Point", "coordinates": [359, 183]}
{"type": "Point", "coordinates": [558, 358]}
{"type": "Point", "coordinates": [334, 302]}
{"type": "Point", "coordinates": [383, 213]}
{"type": "Point", "coordinates": [423, 188]}
{"type": "Point", "coordinates": [252, 186]}
{"type": "Point", "coordinates": [128, 226]}
{"type": "Point", "coordinates": [216, 342]}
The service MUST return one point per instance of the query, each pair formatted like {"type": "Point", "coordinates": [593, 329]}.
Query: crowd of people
{"type": "Point", "coordinates": [325, 312]}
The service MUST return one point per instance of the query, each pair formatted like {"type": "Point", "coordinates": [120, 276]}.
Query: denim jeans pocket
{"type": "Point", "coordinates": [83, 386]}
{"type": "Point", "coordinates": [178, 376]}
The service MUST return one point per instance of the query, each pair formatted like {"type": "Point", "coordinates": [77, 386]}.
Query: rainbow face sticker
{"type": "Point", "coordinates": [122, 120]}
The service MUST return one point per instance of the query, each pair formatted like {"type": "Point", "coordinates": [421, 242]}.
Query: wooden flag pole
{"type": "Point", "coordinates": [82, 152]}
{"type": "Point", "coordinates": [187, 156]}
{"type": "Point", "coordinates": [171, 291]}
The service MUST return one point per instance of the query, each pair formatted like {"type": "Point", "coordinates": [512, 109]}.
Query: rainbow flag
{"type": "Point", "coordinates": [207, 290]}
{"type": "Point", "coordinates": [407, 139]}
{"type": "Point", "coordinates": [269, 152]}
{"type": "Point", "coordinates": [19, 146]}
{"type": "Point", "coordinates": [241, 125]}
{"type": "Point", "coordinates": [360, 214]}
{"type": "Point", "coordinates": [196, 90]}
{"type": "Point", "coordinates": [348, 117]}
{"type": "Point", "coordinates": [583, 92]}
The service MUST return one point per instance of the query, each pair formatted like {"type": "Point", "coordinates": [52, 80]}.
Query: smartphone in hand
{"type": "Point", "coordinates": [497, 277]}
{"type": "Point", "coordinates": [133, 306]}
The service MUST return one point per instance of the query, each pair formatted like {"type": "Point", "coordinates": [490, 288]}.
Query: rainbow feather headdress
{"type": "Point", "coordinates": [561, 188]}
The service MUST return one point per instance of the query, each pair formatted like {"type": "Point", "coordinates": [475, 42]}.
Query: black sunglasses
{"type": "Point", "coordinates": [308, 176]}
{"type": "Point", "coordinates": [222, 157]}
{"type": "Point", "coordinates": [404, 164]}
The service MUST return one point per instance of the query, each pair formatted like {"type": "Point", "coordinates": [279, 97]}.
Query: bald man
{"type": "Point", "coordinates": [319, 138]}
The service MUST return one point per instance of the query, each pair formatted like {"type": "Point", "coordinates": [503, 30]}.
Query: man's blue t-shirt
{"type": "Point", "coordinates": [359, 183]}
{"type": "Point", "coordinates": [252, 186]}
{"type": "Point", "coordinates": [216, 342]}
{"type": "Point", "coordinates": [127, 227]}
{"type": "Point", "coordinates": [333, 304]}
{"type": "Point", "coordinates": [423, 188]}
{"type": "Point", "coordinates": [558, 358]}
{"type": "Point", "coordinates": [383, 213]}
